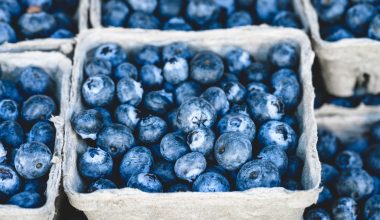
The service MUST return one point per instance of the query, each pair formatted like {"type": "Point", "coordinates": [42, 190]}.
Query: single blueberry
{"type": "Point", "coordinates": [95, 66]}
{"type": "Point", "coordinates": [151, 129]}
{"type": "Point", "coordinates": [255, 72]}
{"type": "Point", "coordinates": [279, 134]}
{"type": "Point", "coordinates": [13, 6]}
{"type": "Point", "coordinates": [217, 98]}
{"type": "Point", "coordinates": [145, 182]}
{"type": "Point", "coordinates": [87, 123]}
{"type": "Point", "coordinates": [7, 34]}
{"type": "Point", "coordinates": [9, 181]}
{"type": "Point", "coordinates": [235, 92]}
{"type": "Point", "coordinates": [317, 213]}
{"type": "Point", "coordinates": [10, 91]}
{"type": "Point", "coordinates": [284, 55]}
{"type": "Point", "coordinates": [372, 207]}
{"type": "Point", "coordinates": [195, 113]}
{"type": "Point", "coordinates": [115, 13]}
{"type": "Point", "coordinates": [275, 155]}
{"type": "Point", "coordinates": [43, 132]}
{"type": "Point", "coordinates": [202, 12]}
{"type": "Point", "coordinates": [136, 160]}
{"type": "Point", "coordinates": [176, 49]}
{"type": "Point", "coordinates": [295, 167]}
{"type": "Point", "coordinates": [239, 108]}
{"type": "Point", "coordinates": [26, 200]}
{"type": "Point", "coordinates": [173, 146]}
{"type": "Point", "coordinates": [105, 115]}
{"type": "Point", "coordinates": [98, 91]}
{"type": "Point", "coordinates": [148, 54]}
{"type": "Point", "coordinates": [228, 77]}
{"type": "Point", "coordinates": [329, 174]}
{"type": "Point", "coordinates": [257, 173]}
{"type": "Point", "coordinates": [115, 139]}
{"type": "Point", "coordinates": [33, 160]}
{"type": "Point", "coordinates": [201, 140]}
{"type": "Point", "coordinates": [151, 76]}
{"type": "Point", "coordinates": [147, 6]}
{"type": "Point", "coordinates": [211, 182]}
{"type": "Point", "coordinates": [286, 19]}
{"type": "Point", "coordinates": [237, 122]}
{"type": "Point", "coordinates": [164, 170]}
{"type": "Point", "coordinates": [38, 107]}
{"type": "Point", "coordinates": [232, 150]}
{"type": "Point", "coordinates": [373, 30]}
{"type": "Point", "coordinates": [8, 110]}
{"type": "Point", "coordinates": [35, 185]}
{"type": "Point", "coordinates": [355, 183]}
{"type": "Point", "coordinates": [287, 87]}
{"type": "Point", "coordinates": [187, 90]}
{"type": "Point", "coordinates": [95, 163]}
{"type": "Point", "coordinates": [373, 160]}
{"type": "Point", "coordinates": [264, 106]}
{"type": "Point", "coordinates": [143, 21]}
{"type": "Point", "coordinates": [127, 115]}
{"type": "Point", "coordinates": [266, 10]}
{"type": "Point", "coordinates": [206, 67]}
{"type": "Point", "coordinates": [348, 160]}
{"type": "Point", "coordinates": [190, 166]}
{"type": "Point", "coordinates": [325, 197]}
{"type": "Point", "coordinates": [327, 145]}
{"type": "Point", "coordinates": [176, 70]}
{"type": "Point", "coordinates": [64, 20]}
{"type": "Point", "coordinates": [11, 134]}
{"type": "Point", "coordinates": [158, 102]}
{"type": "Point", "coordinates": [178, 24]}
{"type": "Point", "coordinates": [358, 18]}
{"type": "Point", "coordinates": [37, 25]}
{"type": "Point", "coordinates": [237, 60]}
{"type": "Point", "coordinates": [129, 91]}
{"type": "Point", "coordinates": [330, 11]}
{"type": "Point", "coordinates": [34, 81]}
{"type": "Point", "coordinates": [257, 87]}
{"type": "Point", "coordinates": [111, 52]}
{"type": "Point", "coordinates": [126, 70]}
{"type": "Point", "coordinates": [239, 19]}
{"type": "Point", "coordinates": [179, 187]}
{"type": "Point", "coordinates": [170, 8]}
{"type": "Point", "coordinates": [62, 34]}
{"type": "Point", "coordinates": [101, 184]}
{"type": "Point", "coordinates": [344, 208]}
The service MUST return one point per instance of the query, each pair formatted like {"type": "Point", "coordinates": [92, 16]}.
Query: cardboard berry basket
{"type": "Point", "coordinates": [65, 46]}
{"type": "Point", "coordinates": [59, 68]}
{"type": "Point", "coordinates": [263, 203]}
{"type": "Point", "coordinates": [96, 13]}
{"type": "Point", "coordinates": [345, 63]}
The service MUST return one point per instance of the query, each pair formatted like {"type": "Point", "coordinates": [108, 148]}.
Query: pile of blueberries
{"type": "Point", "coordinates": [25, 157]}
{"type": "Point", "coordinates": [350, 177]}
{"type": "Point", "coordinates": [341, 19]}
{"type": "Point", "coordinates": [31, 19]}
{"type": "Point", "coordinates": [173, 119]}
{"type": "Point", "coordinates": [186, 15]}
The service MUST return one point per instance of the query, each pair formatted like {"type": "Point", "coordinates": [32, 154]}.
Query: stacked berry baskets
{"type": "Point", "coordinates": [145, 118]}
{"type": "Point", "coordinates": [33, 101]}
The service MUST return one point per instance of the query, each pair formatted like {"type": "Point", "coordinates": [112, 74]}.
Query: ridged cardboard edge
{"type": "Point", "coordinates": [65, 46]}
{"type": "Point", "coordinates": [253, 203]}
{"type": "Point", "coordinates": [59, 67]}
{"type": "Point", "coordinates": [344, 61]}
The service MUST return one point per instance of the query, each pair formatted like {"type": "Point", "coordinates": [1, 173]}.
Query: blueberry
{"type": "Point", "coordinates": [5, 16]}
{"type": "Point", "coordinates": [172, 120]}
{"type": "Point", "coordinates": [43, 132]}
{"type": "Point", "coordinates": [176, 49]}
{"type": "Point", "coordinates": [257, 173]}
{"type": "Point", "coordinates": [35, 185]}
{"type": "Point", "coordinates": [232, 150]}
{"type": "Point", "coordinates": [295, 167]}
{"type": "Point", "coordinates": [358, 18]}
{"type": "Point", "coordinates": [127, 115]}
{"type": "Point", "coordinates": [211, 182]}
{"type": "Point", "coordinates": [115, 13]}
{"type": "Point", "coordinates": [292, 185]}
{"type": "Point", "coordinates": [145, 182]}
{"type": "Point", "coordinates": [373, 160]}
{"type": "Point", "coordinates": [344, 208]}
{"type": "Point", "coordinates": [371, 100]}
{"type": "Point", "coordinates": [190, 166]}
{"type": "Point", "coordinates": [13, 6]}
{"type": "Point", "coordinates": [148, 54]}
{"type": "Point", "coordinates": [64, 20]}
{"type": "Point", "coordinates": [87, 123]}
{"type": "Point", "coordinates": [151, 76]}
{"type": "Point", "coordinates": [284, 55]}
{"type": "Point", "coordinates": [374, 28]}
{"type": "Point", "coordinates": [158, 102]}
{"type": "Point", "coordinates": [228, 77]}
{"type": "Point", "coordinates": [126, 70]}
{"type": "Point", "coordinates": [136, 160]}
{"type": "Point", "coordinates": [257, 87]}
{"type": "Point", "coordinates": [372, 207]}
{"type": "Point", "coordinates": [201, 140]}
{"type": "Point", "coordinates": [34, 81]}
{"type": "Point", "coordinates": [201, 12]}
{"type": "Point", "coordinates": [287, 87]}
{"type": "Point", "coordinates": [329, 174]}
{"type": "Point", "coordinates": [348, 160]}
{"type": "Point", "coordinates": [8, 110]}
{"type": "Point", "coordinates": [187, 90]}
{"type": "Point", "coordinates": [264, 106]}
{"type": "Point", "coordinates": [359, 145]}
{"type": "Point", "coordinates": [143, 21]}
{"type": "Point", "coordinates": [111, 52]}
{"type": "Point", "coordinates": [206, 67]}
{"type": "Point", "coordinates": [176, 70]}
{"type": "Point", "coordinates": [105, 115]}
{"type": "Point", "coordinates": [217, 98]}
{"type": "Point", "coordinates": [325, 196]}
{"type": "Point", "coordinates": [26, 200]}
{"type": "Point", "coordinates": [9, 181]}
{"type": "Point", "coordinates": [95, 163]}
{"type": "Point", "coordinates": [238, 19]}
{"type": "Point", "coordinates": [266, 10]}
{"type": "Point", "coordinates": [237, 122]}
{"type": "Point", "coordinates": [11, 134]}
{"type": "Point", "coordinates": [344, 102]}
{"type": "Point", "coordinates": [10, 91]}
{"type": "Point", "coordinates": [62, 34]}
{"type": "Point", "coordinates": [37, 25]}
{"type": "Point", "coordinates": [164, 170]}
{"type": "Point", "coordinates": [101, 184]}
{"type": "Point", "coordinates": [42, 4]}
{"type": "Point", "coordinates": [7, 34]}
{"type": "Point", "coordinates": [255, 72]}
{"type": "Point", "coordinates": [33, 160]}
{"type": "Point", "coordinates": [129, 91]}
{"type": "Point", "coordinates": [147, 6]}
{"type": "Point", "coordinates": [115, 139]}
{"type": "Point", "coordinates": [178, 24]}
{"type": "Point", "coordinates": [235, 92]}
{"type": "Point", "coordinates": [330, 11]}
{"type": "Point", "coordinates": [327, 145]}
{"type": "Point", "coordinates": [339, 34]}
{"type": "Point", "coordinates": [173, 146]}
{"type": "Point", "coordinates": [3, 154]}
{"type": "Point", "coordinates": [275, 155]}
{"type": "Point", "coordinates": [95, 66]}
{"type": "Point", "coordinates": [279, 134]}
{"type": "Point", "coordinates": [317, 213]}
{"type": "Point", "coordinates": [179, 187]}
{"type": "Point", "coordinates": [291, 121]}
{"type": "Point", "coordinates": [151, 129]}
{"type": "Point", "coordinates": [169, 8]}
{"type": "Point", "coordinates": [355, 183]}
{"type": "Point", "coordinates": [286, 19]}
{"type": "Point", "coordinates": [98, 90]}
{"type": "Point", "coordinates": [195, 113]}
